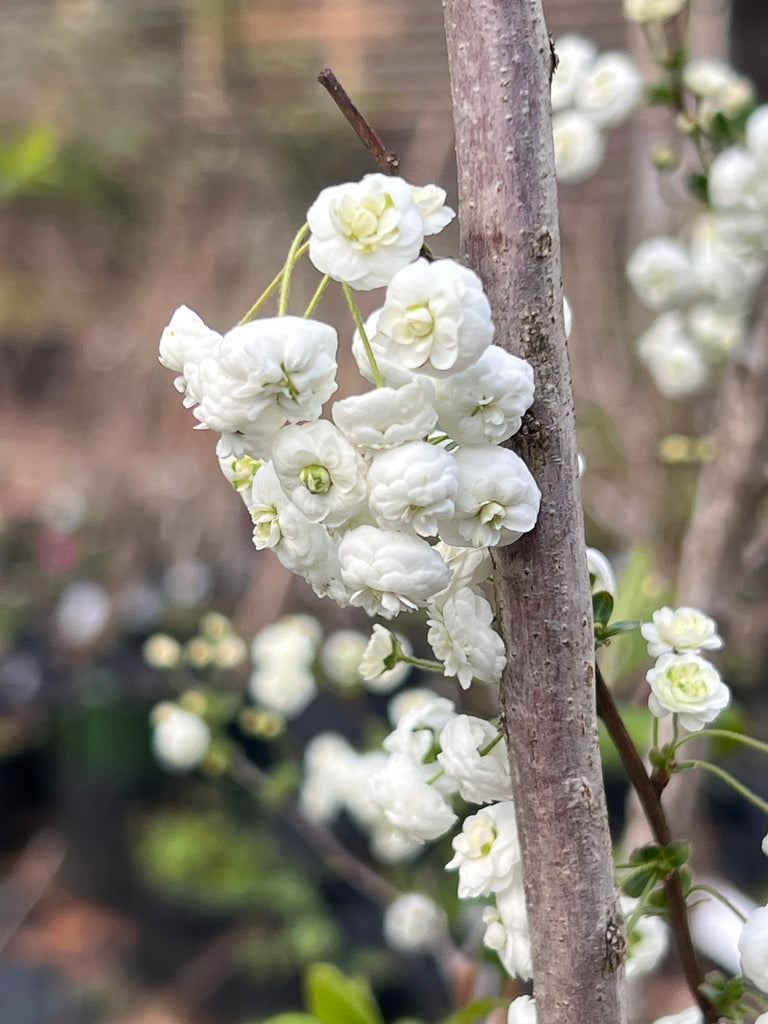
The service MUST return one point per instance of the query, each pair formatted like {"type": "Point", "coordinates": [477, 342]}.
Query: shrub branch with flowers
{"type": "Point", "coordinates": [408, 498]}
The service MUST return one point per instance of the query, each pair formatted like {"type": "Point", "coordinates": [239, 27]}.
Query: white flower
{"type": "Point", "coordinates": [737, 181]}
{"type": "Point", "coordinates": [387, 417]}
{"type": "Point", "coordinates": [647, 942]}
{"type": "Point", "coordinates": [285, 361]}
{"type": "Point", "coordinates": [498, 499]}
{"type": "Point", "coordinates": [413, 487]}
{"type": "Point", "coordinates": [641, 11]}
{"type": "Point", "coordinates": [463, 639]}
{"type": "Point", "coordinates": [486, 851]}
{"type": "Point", "coordinates": [680, 630]}
{"type": "Point", "coordinates": [387, 572]}
{"type": "Point", "coordinates": [373, 664]}
{"type": "Point", "coordinates": [507, 930]}
{"type": "Point", "coordinates": [430, 199]}
{"type": "Point", "coordinates": [402, 791]}
{"type": "Point", "coordinates": [599, 567]}
{"type": "Point", "coordinates": [240, 472]}
{"type": "Point", "coordinates": [390, 846]}
{"type": "Point", "coordinates": [328, 761]}
{"type": "Point", "coordinates": [579, 146]}
{"type": "Point", "coordinates": [726, 261]}
{"type": "Point", "coordinates": [406, 701]}
{"type": "Point", "coordinates": [574, 56]}
{"type": "Point", "coordinates": [247, 422]}
{"type": "Point", "coordinates": [293, 638]}
{"type": "Point", "coordinates": [393, 373]}
{"type": "Point", "coordinates": [413, 923]}
{"type": "Point", "coordinates": [482, 778]}
{"type": "Point", "coordinates": [757, 134]}
{"type": "Point", "coordinates": [610, 90]}
{"type": "Point", "coordinates": [522, 1011]}
{"type": "Point", "coordinates": [436, 318]}
{"type": "Point", "coordinates": [690, 687]}
{"type": "Point", "coordinates": [678, 368]}
{"type": "Point", "coordinates": [286, 688]}
{"type": "Point", "coordinates": [660, 272]}
{"type": "Point", "coordinates": [485, 403]}
{"type": "Point", "coordinates": [416, 736]}
{"type": "Point", "coordinates": [753, 946]}
{"type": "Point", "coordinates": [364, 232]}
{"type": "Point", "coordinates": [83, 612]}
{"type": "Point", "coordinates": [320, 472]}
{"type": "Point", "coordinates": [184, 343]}
{"type": "Point", "coordinates": [469, 567]}
{"type": "Point", "coordinates": [764, 845]}
{"type": "Point", "coordinates": [721, 89]}
{"type": "Point", "coordinates": [341, 655]}
{"type": "Point", "coordinates": [716, 329]}
{"type": "Point", "coordinates": [180, 740]}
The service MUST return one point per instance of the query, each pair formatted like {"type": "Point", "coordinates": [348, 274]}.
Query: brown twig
{"type": "Point", "coordinates": [649, 797]}
{"type": "Point", "coordinates": [386, 160]}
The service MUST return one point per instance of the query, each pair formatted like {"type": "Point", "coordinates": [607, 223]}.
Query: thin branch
{"type": "Point", "coordinates": [649, 797]}
{"type": "Point", "coordinates": [385, 160]}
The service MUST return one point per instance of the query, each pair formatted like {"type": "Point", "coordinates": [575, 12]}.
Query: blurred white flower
{"type": "Point", "coordinates": [82, 613]}
{"type": "Point", "coordinates": [180, 739]}
{"type": "Point", "coordinates": [610, 89]}
{"type": "Point", "coordinates": [291, 639]}
{"type": "Point", "coordinates": [414, 923]}
{"type": "Point", "coordinates": [753, 946]}
{"type": "Point", "coordinates": [660, 272]}
{"type": "Point", "coordinates": [647, 942]}
{"type": "Point", "coordinates": [286, 688]}
{"type": "Point", "coordinates": [579, 146]}
{"type": "Point", "coordinates": [341, 655]}
{"type": "Point", "coordinates": [401, 790]}
{"type": "Point", "coordinates": [575, 54]}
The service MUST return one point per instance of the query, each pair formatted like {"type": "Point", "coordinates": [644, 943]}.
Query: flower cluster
{"type": "Point", "coordinates": [702, 283]}
{"type": "Point", "coordinates": [390, 503]}
{"type": "Point", "coordinates": [591, 93]}
{"type": "Point", "coordinates": [683, 682]}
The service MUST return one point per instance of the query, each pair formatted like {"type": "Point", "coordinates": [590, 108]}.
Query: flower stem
{"type": "Point", "coordinates": [490, 745]}
{"type": "Point", "coordinates": [429, 666]}
{"type": "Point", "coordinates": [725, 734]}
{"type": "Point", "coordinates": [378, 380]}
{"type": "Point", "coordinates": [719, 896]}
{"type": "Point", "coordinates": [295, 253]}
{"type": "Point", "coordinates": [651, 804]}
{"type": "Point", "coordinates": [731, 780]}
{"type": "Point", "coordinates": [315, 300]}
{"type": "Point", "coordinates": [262, 299]}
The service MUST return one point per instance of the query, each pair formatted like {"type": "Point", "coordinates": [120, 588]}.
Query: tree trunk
{"type": "Point", "coordinates": [501, 64]}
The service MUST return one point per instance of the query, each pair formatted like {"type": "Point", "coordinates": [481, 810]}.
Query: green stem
{"type": "Point", "coordinates": [378, 380]}
{"type": "Point", "coordinates": [295, 253]}
{"type": "Point", "coordinates": [262, 299]}
{"type": "Point", "coordinates": [725, 734]}
{"type": "Point", "coordinates": [429, 666]}
{"type": "Point", "coordinates": [729, 779]}
{"type": "Point", "coordinates": [631, 919]}
{"type": "Point", "coordinates": [489, 746]}
{"type": "Point", "coordinates": [315, 300]}
{"type": "Point", "coordinates": [718, 896]}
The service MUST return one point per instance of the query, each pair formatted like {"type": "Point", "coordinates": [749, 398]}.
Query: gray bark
{"type": "Point", "coordinates": [500, 64]}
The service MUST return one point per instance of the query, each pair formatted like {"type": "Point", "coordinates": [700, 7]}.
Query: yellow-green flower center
{"type": "Point", "coordinates": [688, 679]}
{"type": "Point", "coordinates": [316, 479]}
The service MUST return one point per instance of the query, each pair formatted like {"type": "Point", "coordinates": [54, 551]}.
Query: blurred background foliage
{"type": "Point", "coordinates": [162, 152]}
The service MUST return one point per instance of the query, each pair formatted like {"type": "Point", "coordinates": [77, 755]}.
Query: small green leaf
{"type": "Point", "coordinates": [638, 882]}
{"type": "Point", "coordinates": [336, 999]}
{"type": "Point", "coordinates": [677, 853]}
{"type": "Point", "coordinates": [477, 1008]}
{"type": "Point", "coordinates": [602, 605]}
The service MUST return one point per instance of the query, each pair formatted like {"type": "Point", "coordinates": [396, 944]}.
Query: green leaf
{"type": "Point", "coordinates": [291, 1018]}
{"type": "Point", "coordinates": [638, 882]}
{"type": "Point", "coordinates": [477, 1008]}
{"type": "Point", "coordinates": [336, 999]}
{"type": "Point", "coordinates": [677, 853]}
{"type": "Point", "coordinates": [698, 183]}
{"type": "Point", "coordinates": [602, 605]}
